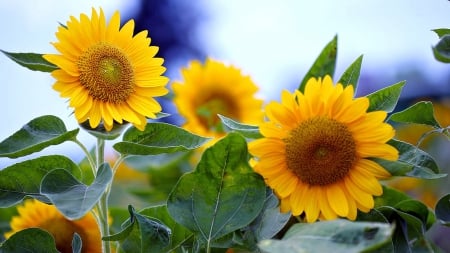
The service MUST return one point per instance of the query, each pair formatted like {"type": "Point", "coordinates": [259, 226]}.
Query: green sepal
{"type": "Point", "coordinates": [325, 64]}
{"type": "Point", "coordinates": [385, 99]}
{"type": "Point", "coordinates": [31, 61]}
{"type": "Point", "coordinates": [36, 135]}
{"type": "Point", "coordinates": [351, 74]}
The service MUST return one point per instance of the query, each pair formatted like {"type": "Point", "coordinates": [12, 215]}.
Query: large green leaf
{"type": "Point", "coordinates": [23, 179]}
{"type": "Point", "coordinates": [385, 99]}
{"type": "Point", "coordinates": [29, 240]}
{"type": "Point", "coordinates": [412, 162]}
{"type": "Point", "coordinates": [442, 49]}
{"type": "Point", "coordinates": [248, 131]}
{"type": "Point", "coordinates": [142, 234]}
{"type": "Point", "coordinates": [158, 138]}
{"type": "Point", "coordinates": [443, 210]}
{"type": "Point", "coordinates": [221, 195]}
{"type": "Point", "coordinates": [351, 74]}
{"type": "Point", "coordinates": [31, 61]}
{"type": "Point", "coordinates": [325, 63]}
{"type": "Point", "coordinates": [73, 198]}
{"type": "Point", "coordinates": [419, 113]}
{"type": "Point", "coordinates": [331, 236]}
{"type": "Point", "coordinates": [36, 135]}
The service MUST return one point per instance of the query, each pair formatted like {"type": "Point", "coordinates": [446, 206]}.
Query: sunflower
{"type": "Point", "coordinates": [107, 74]}
{"type": "Point", "coordinates": [37, 214]}
{"type": "Point", "coordinates": [316, 148]}
{"type": "Point", "coordinates": [215, 88]}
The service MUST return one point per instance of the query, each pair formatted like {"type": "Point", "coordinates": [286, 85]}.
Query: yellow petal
{"type": "Point", "coordinates": [337, 199]}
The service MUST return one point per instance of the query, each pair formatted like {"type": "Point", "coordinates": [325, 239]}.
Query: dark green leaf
{"type": "Point", "coordinates": [331, 236]}
{"type": "Point", "coordinates": [77, 244]}
{"type": "Point", "coordinates": [31, 61]}
{"type": "Point", "coordinates": [247, 131]}
{"type": "Point", "coordinates": [221, 195]}
{"type": "Point", "coordinates": [442, 49]}
{"type": "Point", "coordinates": [351, 74]}
{"type": "Point", "coordinates": [419, 113]}
{"type": "Point", "coordinates": [36, 135]}
{"type": "Point", "coordinates": [33, 240]}
{"type": "Point", "coordinates": [385, 99]}
{"type": "Point", "coordinates": [325, 64]}
{"type": "Point", "coordinates": [73, 198]}
{"type": "Point", "coordinates": [443, 210]}
{"type": "Point", "coordinates": [23, 179]}
{"type": "Point", "coordinates": [441, 32]}
{"type": "Point", "coordinates": [158, 138]}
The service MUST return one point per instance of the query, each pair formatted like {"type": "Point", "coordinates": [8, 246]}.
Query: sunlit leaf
{"type": "Point", "coordinates": [385, 99]}
{"type": "Point", "coordinates": [23, 179]}
{"type": "Point", "coordinates": [73, 198]}
{"type": "Point", "coordinates": [36, 135]}
{"type": "Point", "coordinates": [248, 131]}
{"type": "Point", "coordinates": [158, 138]}
{"type": "Point", "coordinates": [31, 61]}
{"type": "Point", "coordinates": [442, 210]}
{"type": "Point", "coordinates": [441, 32]}
{"type": "Point", "coordinates": [442, 49]}
{"type": "Point", "coordinates": [29, 240]}
{"type": "Point", "coordinates": [331, 236]}
{"type": "Point", "coordinates": [325, 63]}
{"type": "Point", "coordinates": [221, 195]}
{"type": "Point", "coordinates": [419, 113]}
{"type": "Point", "coordinates": [351, 74]}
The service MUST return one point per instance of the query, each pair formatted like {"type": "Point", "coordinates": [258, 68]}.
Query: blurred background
{"type": "Point", "coordinates": [275, 42]}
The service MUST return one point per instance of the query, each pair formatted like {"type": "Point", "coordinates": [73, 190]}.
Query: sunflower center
{"type": "Point", "coordinates": [320, 151]}
{"type": "Point", "coordinates": [63, 230]}
{"type": "Point", "coordinates": [208, 112]}
{"type": "Point", "coordinates": [107, 73]}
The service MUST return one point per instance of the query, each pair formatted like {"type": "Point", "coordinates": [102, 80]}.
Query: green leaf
{"type": "Point", "coordinates": [442, 210]}
{"type": "Point", "coordinates": [77, 244]}
{"type": "Point", "coordinates": [325, 64]}
{"type": "Point", "coordinates": [36, 135]}
{"type": "Point", "coordinates": [419, 113]}
{"type": "Point", "coordinates": [142, 234]}
{"type": "Point", "coordinates": [351, 74]}
{"type": "Point", "coordinates": [331, 236]}
{"type": "Point", "coordinates": [247, 131]}
{"type": "Point", "coordinates": [221, 195]}
{"type": "Point", "coordinates": [23, 179]}
{"type": "Point", "coordinates": [73, 198]}
{"type": "Point", "coordinates": [31, 61]}
{"type": "Point", "coordinates": [158, 138]}
{"type": "Point", "coordinates": [29, 240]}
{"type": "Point", "coordinates": [412, 162]}
{"type": "Point", "coordinates": [385, 99]}
{"type": "Point", "coordinates": [441, 32]}
{"type": "Point", "coordinates": [442, 49]}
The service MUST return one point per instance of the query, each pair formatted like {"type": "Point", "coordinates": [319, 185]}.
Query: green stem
{"type": "Point", "coordinates": [88, 156]}
{"type": "Point", "coordinates": [102, 205]}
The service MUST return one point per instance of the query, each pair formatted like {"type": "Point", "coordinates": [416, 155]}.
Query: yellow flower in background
{"type": "Point", "coordinates": [214, 88]}
{"type": "Point", "coordinates": [37, 214]}
{"type": "Point", "coordinates": [315, 149]}
{"type": "Point", "coordinates": [107, 73]}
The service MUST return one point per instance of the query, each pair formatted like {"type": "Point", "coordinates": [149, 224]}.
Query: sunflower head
{"type": "Point", "coordinates": [316, 151]}
{"type": "Point", "coordinates": [214, 88]}
{"type": "Point", "coordinates": [108, 75]}
{"type": "Point", "coordinates": [37, 214]}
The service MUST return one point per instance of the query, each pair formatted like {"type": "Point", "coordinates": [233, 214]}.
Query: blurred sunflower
{"type": "Point", "coordinates": [215, 88]}
{"type": "Point", "coordinates": [107, 73]}
{"type": "Point", "coordinates": [37, 214]}
{"type": "Point", "coordinates": [315, 151]}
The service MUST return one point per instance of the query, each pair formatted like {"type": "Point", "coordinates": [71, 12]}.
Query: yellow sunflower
{"type": "Point", "coordinates": [107, 73]}
{"type": "Point", "coordinates": [37, 214]}
{"type": "Point", "coordinates": [315, 151]}
{"type": "Point", "coordinates": [215, 88]}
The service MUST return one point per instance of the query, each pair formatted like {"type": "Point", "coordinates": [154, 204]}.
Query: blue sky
{"type": "Point", "coordinates": [273, 41]}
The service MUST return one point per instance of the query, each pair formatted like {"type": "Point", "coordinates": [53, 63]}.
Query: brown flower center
{"type": "Point", "coordinates": [320, 151]}
{"type": "Point", "coordinates": [107, 73]}
{"type": "Point", "coordinates": [209, 109]}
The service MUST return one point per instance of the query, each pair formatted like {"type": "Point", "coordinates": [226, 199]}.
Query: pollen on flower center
{"type": "Point", "coordinates": [107, 73]}
{"type": "Point", "coordinates": [320, 151]}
